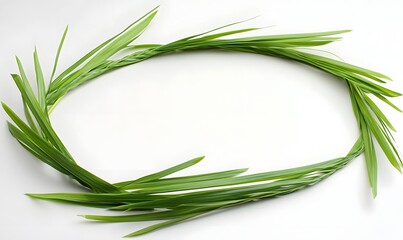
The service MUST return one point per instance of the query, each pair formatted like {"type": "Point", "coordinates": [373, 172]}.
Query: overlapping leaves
{"type": "Point", "coordinates": [177, 199]}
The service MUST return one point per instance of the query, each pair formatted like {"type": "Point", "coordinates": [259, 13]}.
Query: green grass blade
{"type": "Point", "coordinates": [59, 49]}
{"type": "Point", "coordinates": [370, 157]}
{"type": "Point", "coordinates": [40, 81]}
{"type": "Point", "coordinates": [89, 55]}
{"type": "Point", "coordinates": [164, 224]}
{"type": "Point", "coordinates": [27, 113]}
{"type": "Point", "coordinates": [40, 116]}
{"type": "Point", "coordinates": [192, 178]}
{"type": "Point", "coordinates": [378, 112]}
{"type": "Point", "coordinates": [142, 46]}
{"type": "Point", "coordinates": [30, 146]}
{"type": "Point", "coordinates": [387, 102]}
{"type": "Point", "coordinates": [120, 42]}
{"type": "Point", "coordinates": [105, 50]}
{"type": "Point", "coordinates": [29, 118]}
{"type": "Point", "coordinates": [200, 35]}
{"type": "Point", "coordinates": [291, 36]}
{"type": "Point", "coordinates": [167, 171]}
{"type": "Point", "coordinates": [265, 176]}
{"type": "Point", "coordinates": [384, 141]}
{"type": "Point", "coordinates": [224, 34]}
{"type": "Point", "coordinates": [152, 216]}
{"type": "Point", "coordinates": [349, 67]}
{"type": "Point", "coordinates": [117, 197]}
{"type": "Point", "coordinates": [60, 159]}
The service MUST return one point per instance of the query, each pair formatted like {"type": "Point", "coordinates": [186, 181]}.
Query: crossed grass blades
{"type": "Point", "coordinates": [177, 199]}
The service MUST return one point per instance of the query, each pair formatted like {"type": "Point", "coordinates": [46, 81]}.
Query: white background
{"type": "Point", "coordinates": [239, 110]}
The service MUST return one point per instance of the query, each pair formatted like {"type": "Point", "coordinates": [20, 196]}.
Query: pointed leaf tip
{"type": "Point", "coordinates": [374, 193]}
{"type": "Point", "coordinates": [200, 158]}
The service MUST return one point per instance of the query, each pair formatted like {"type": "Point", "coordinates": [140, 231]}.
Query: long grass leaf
{"type": "Point", "coordinates": [61, 159]}
{"type": "Point", "coordinates": [59, 49]}
{"type": "Point", "coordinates": [378, 112]}
{"type": "Point", "coordinates": [370, 157]}
{"type": "Point", "coordinates": [185, 179]}
{"type": "Point", "coordinates": [163, 224]}
{"type": "Point", "coordinates": [105, 50]}
{"type": "Point", "coordinates": [382, 139]}
{"type": "Point", "coordinates": [27, 112]}
{"type": "Point", "coordinates": [387, 102]}
{"type": "Point", "coordinates": [40, 81]}
{"type": "Point", "coordinates": [90, 54]}
{"type": "Point", "coordinates": [168, 171]}
{"type": "Point", "coordinates": [40, 116]}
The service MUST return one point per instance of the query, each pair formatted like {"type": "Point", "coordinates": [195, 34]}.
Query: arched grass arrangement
{"type": "Point", "coordinates": [177, 199]}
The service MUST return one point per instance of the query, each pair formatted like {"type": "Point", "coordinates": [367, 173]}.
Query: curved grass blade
{"type": "Point", "coordinates": [27, 112]}
{"type": "Point", "coordinates": [60, 159]}
{"type": "Point", "coordinates": [59, 49]}
{"type": "Point", "coordinates": [164, 224]}
{"type": "Point", "coordinates": [101, 54]}
{"type": "Point", "coordinates": [152, 216]}
{"type": "Point", "coordinates": [375, 109]}
{"type": "Point", "coordinates": [387, 102]}
{"type": "Point", "coordinates": [165, 172]}
{"type": "Point", "coordinates": [186, 179]}
{"type": "Point", "coordinates": [382, 138]}
{"type": "Point", "coordinates": [370, 158]}
{"type": "Point", "coordinates": [40, 81]}
{"type": "Point", "coordinates": [40, 116]}
{"type": "Point", "coordinates": [92, 52]}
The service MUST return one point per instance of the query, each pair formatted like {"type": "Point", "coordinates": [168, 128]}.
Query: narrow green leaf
{"type": "Point", "coordinates": [41, 118]}
{"type": "Point", "coordinates": [142, 46]}
{"type": "Point", "coordinates": [200, 35]}
{"type": "Point", "coordinates": [90, 54]}
{"type": "Point", "coordinates": [378, 112]}
{"type": "Point", "coordinates": [152, 216]}
{"type": "Point", "coordinates": [291, 36]}
{"type": "Point", "coordinates": [110, 197]}
{"type": "Point", "coordinates": [163, 224]}
{"type": "Point", "coordinates": [27, 112]}
{"type": "Point", "coordinates": [359, 70]}
{"type": "Point", "coordinates": [186, 179]}
{"type": "Point", "coordinates": [167, 171]}
{"type": "Point", "coordinates": [370, 157]}
{"type": "Point", "coordinates": [33, 148]}
{"type": "Point", "coordinates": [251, 178]}
{"type": "Point", "coordinates": [224, 34]}
{"type": "Point", "coordinates": [384, 141]}
{"type": "Point", "coordinates": [387, 102]}
{"type": "Point", "coordinates": [59, 49]}
{"type": "Point", "coordinates": [60, 159]}
{"type": "Point", "coordinates": [102, 53]}
{"type": "Point", "coordinates": [29, 118]}
{"type": "Point", "coordinates": [40, 81]}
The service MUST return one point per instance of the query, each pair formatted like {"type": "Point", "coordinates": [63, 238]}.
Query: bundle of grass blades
{"type": "Point", "coordinates": [177, 199]}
